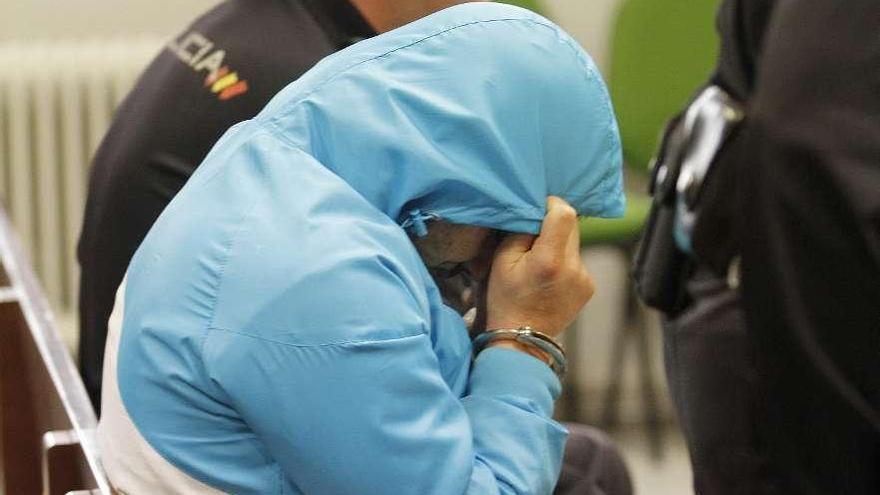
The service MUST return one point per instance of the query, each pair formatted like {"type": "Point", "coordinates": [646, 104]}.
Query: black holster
{"type": "Point", "coordinates": [660, 269]}
{"type": "Point", "coordinates": [690, 145]}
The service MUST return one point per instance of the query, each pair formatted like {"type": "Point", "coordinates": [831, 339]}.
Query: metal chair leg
{"type": "Point", "coordinates": [611, 402]}
{"type": "Point", "coordinates": [635, 327]}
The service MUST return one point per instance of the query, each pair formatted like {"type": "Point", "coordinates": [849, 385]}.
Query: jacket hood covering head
{"type": "Point", "coordinates": [474, 115]}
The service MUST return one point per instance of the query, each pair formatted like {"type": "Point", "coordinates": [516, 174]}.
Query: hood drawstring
{"type": "Point", "coordinates": [415, 223]}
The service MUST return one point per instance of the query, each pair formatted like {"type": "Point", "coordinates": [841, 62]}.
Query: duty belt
{"type": "Point", "coordinates": [681, 167]}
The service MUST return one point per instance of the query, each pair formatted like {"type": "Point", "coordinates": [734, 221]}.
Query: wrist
{"type": "Point", "coordinates": [529, 341]}
{"type": "Point", "coordinates": [512, 320]}
{"type": "Point", "coordinates": [516, 346]}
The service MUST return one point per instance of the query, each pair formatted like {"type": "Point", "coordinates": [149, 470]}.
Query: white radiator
{"type": "Point", "coordinates": [56, 102]}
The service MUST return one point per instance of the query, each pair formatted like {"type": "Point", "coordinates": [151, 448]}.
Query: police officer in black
{"type": "Point", "coordinates": [763, 250]}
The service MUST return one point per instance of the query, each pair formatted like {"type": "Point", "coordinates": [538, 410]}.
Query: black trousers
{"type": "Point", "coordinates": [795, 364]}
{"type": "Point", "coordinates": [810, 231]}
{"type": "Point", "coordinates": [711, 375]}
{"type": "Point", "coordinates": [592, 465]}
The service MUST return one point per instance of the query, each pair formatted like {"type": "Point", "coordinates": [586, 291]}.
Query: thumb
{"type": "Point", "coordinates": [515, 244]}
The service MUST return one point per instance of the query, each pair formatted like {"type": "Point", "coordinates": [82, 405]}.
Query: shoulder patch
{"type": "Point", "coordinates": [202, 55]}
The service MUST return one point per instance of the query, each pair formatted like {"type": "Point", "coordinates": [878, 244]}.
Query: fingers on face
{"type": "Point", "coordinates": [558, 245]}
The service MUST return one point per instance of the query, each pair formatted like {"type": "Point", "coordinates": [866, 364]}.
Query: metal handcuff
{"type": "Point", "coordinates": [527, 336]}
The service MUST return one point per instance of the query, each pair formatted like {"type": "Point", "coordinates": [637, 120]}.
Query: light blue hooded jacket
{"type": "Point", "coordinates": [281, 333]}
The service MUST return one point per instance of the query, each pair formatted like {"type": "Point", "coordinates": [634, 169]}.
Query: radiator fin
{"type": "Point", "coordinates": [56, 102]}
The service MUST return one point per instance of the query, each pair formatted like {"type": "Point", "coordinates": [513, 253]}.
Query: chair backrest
{"type": "Point", "coordinates": [662, 50]}
{"type": "Point", "coordinates": [46, 420]}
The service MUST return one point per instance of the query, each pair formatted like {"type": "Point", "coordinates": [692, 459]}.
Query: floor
{"type": "Point", "coordinates": [667, 475]}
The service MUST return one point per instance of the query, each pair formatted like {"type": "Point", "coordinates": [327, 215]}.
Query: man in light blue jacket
{"type": "Point", "coordinates": [282, 333]}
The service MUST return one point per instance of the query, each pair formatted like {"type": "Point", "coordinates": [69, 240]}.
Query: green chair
{"type": "Point", "coordinates": [662, 51]}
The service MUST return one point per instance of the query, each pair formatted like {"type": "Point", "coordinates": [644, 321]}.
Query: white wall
{"type": "Point", "coordinates": [587, 20]}
{"type": "Point", "coordinates": [52, 19]}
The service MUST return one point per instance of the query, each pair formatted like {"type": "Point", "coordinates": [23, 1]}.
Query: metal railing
{"type": "Point", "coordinates": [47, 423]}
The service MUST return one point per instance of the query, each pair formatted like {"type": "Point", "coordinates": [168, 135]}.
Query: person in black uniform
{"type": "Point", "coordinates": [773, 343]}
{"type": "Point", "coordinates": [221, 70]}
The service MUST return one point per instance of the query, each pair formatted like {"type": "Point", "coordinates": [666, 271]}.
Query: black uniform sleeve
{"type": "Point", "coordinates": [810, 233]}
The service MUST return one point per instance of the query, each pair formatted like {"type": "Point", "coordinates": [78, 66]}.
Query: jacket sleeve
{"type": "Point", "coordinates": [376, 417]}
{"type": "Point", "coordinates": [371, 413]}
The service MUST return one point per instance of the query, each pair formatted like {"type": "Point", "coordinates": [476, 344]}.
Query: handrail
{"type": "Point", "coordinates": [22, 287]}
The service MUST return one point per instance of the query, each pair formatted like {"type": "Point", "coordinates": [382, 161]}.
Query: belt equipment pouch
{"type": "Point", "coordinates": [690, 144]}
